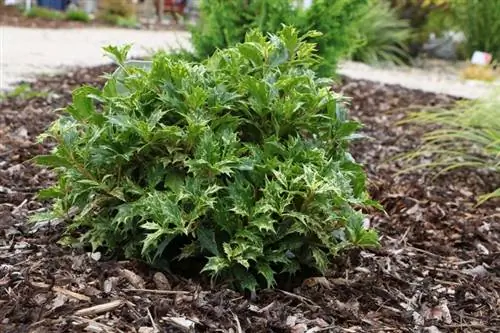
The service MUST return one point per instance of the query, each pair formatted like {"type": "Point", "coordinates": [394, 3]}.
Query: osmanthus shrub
{"type": "Point", "coordinates": [240, 161]}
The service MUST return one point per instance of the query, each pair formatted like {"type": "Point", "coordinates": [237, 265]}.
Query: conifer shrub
{"type": "Point", "coordinates": [339, 21]}
{"type": "Point", "coordinates": [223, 23]}
{"type": "Point", "coordinates": [240, 162]}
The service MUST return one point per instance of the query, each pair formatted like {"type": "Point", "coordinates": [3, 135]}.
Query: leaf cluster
{"type": "Point", "coordinates": [240, 162]}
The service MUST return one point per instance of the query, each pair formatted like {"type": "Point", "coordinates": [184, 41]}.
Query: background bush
{"type": "Point", "coordinates": [223, 23]}
{"type": "Point", "coordinates": [385, 35]}
{"type": "Point", "coordinates": [118, 12]}
{"type": "Point", "coordinates": [123, 8]}
{"type": "Point", "coordinates": [45, 13]}
{"type": "Point", "coordinates": [120, 21]}
{"type": "Point", "coordinates": [77, 15]}
{"type": "Point", "coordinates": [339, 21]}
{"type": "Point", "coordinates": [239, 163]}
{"type": "Point", "coordinates": [480, 22]}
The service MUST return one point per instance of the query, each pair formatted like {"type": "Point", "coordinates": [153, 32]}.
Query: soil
{"type": "Point", "coordinates": [438, 269]}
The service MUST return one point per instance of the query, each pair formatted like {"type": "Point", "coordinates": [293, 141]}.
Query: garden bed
{"type": "Point", "coordinates": [438, 270]}
{"type": "Point", "coordinates": [11, 16]}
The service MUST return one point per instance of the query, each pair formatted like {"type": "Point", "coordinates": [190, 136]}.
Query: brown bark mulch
{"type": "Point", "coordinates": [438, 269]}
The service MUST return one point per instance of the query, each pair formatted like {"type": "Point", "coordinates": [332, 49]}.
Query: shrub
{"type": "Point", "coordinates": [44, 13]}
{"type": "Point", "coordinates": [23, 91]}
{"type": "Point", "coordinates": [123, 8]}
{"type": "Point", "coordinates": [223, 23]}
{"type": "Point", "coordinates": [467, 136]}
{"type": "Point", "coordinates": [480, 22]}
{"type": "Point", "coordinates": [384, 35]}
{"type": "Point", "coordinates": [118, 12]}
{"type": "Point", "coordinates": [77, 15]}
{"type": "Point", "coordinates": [241, 160]}
{"type": "Point", "coordinates": [113, 19]}
{"type": "Point", "coordinates": [127, 22]}
{"type": "Point", "coordinates": [339, 22]}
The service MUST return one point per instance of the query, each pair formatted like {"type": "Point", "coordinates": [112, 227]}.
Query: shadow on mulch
{"type": "Point", "coordinates": [438, 270]}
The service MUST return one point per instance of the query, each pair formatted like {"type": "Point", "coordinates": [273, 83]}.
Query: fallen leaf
{"type": "Point", "coordinates": [320, 322]}
{"type": "Point", "coordinates": [184, 324]}
{"type": "Point", "coordinates": [351, 307]}
{"type": "Point", "coordinates": [317, 281]}
{"type": "Point", "coordinates": [478, 271]}
{"type": "Point", "coordinates": [78, 263]}
{"type": "Point", "coordinates": [314, 329]}
{"type": "Point", "coordinates": [134, 279]}
{"type": "Point", "coordinates": [290, 321]}
{"type": "Point", "coordinates": [59, 301]}
{"type": "Point", "coordinates": [161, 281]}
{"type": "Point", "coordinates": [418, 320]}
{"type": "Point", "coordinates": [439, 312]}
{"type": "Point", "coordinates": [482, 249]}
{"type": "Point", "coordinates": [109, 284]}
{"type": "Point", "coordinates": [299, 328]}
{"type": "Point", "coordinates": [432, 329]}
{"type": "Point", "coordinates": [91, 291]}
{"type": "Point", "coordinates": [96, 256]}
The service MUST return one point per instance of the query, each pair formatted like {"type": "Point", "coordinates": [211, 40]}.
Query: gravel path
{"type": "Point", "coordinates": [25, 53]}
{"type": "Point", "coordinates": [415, 78]}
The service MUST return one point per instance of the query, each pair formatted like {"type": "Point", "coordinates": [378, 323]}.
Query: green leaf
{"type": "Point", "coordinates": [279, 55]}
{"type": "Point", "coordinates": [206, 237]}
{"type": "Point", "coordinates": [252, 52]}
{"type": "Point", "coordinates": [118, 54]}
{"type": "Point", "coordinates": [52, 161]}
{"type": "Point", "coordinates": [50, 193]}
{"type": "Point", "coordinates": [215, 265]}
{"type": "Point", "coordinates": [188, 251]}
{"type": "Point", "coordinates": [263, 223]}
{"type": "Point", "coordinates": [245, 280]}
{"type": "Point", "coordinates": [151, 226]}
{"type": "Point", "coordinates": [241, 195]}
{"type": "Point", "coordinates": [82, 108]}
{"type": "Point", "coordinates": [320, 259]}
{"type": "Point", "coordinates": [266, 271]}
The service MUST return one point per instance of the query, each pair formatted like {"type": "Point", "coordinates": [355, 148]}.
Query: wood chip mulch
{"type": "Point", "coordinates": [438, 270]}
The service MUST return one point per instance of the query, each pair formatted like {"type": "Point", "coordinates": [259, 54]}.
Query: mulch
{"type": "Point", "coordinates": [438, 269]}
